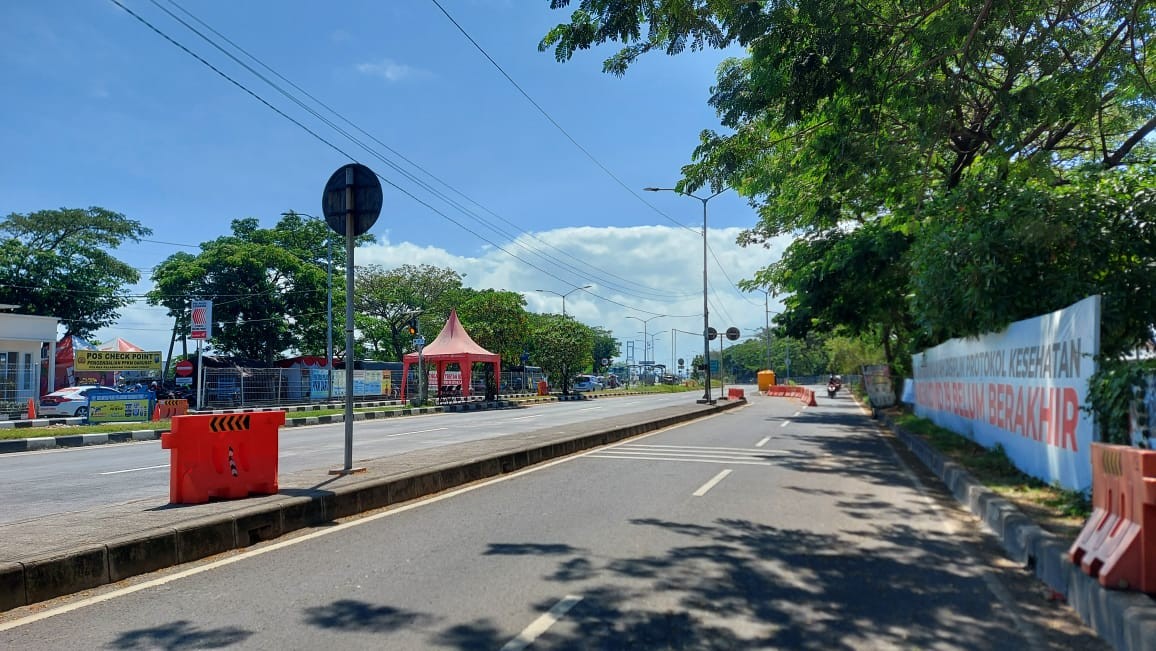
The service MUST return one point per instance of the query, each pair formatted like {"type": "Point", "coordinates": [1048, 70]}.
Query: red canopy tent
{"type": "Point", "coordinates": [453, 344]}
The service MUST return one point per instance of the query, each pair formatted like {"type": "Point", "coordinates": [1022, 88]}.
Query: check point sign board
{"type": "Point", "coordinates": [1022, 388]}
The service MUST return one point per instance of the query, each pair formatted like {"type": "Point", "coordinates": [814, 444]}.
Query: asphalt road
{"type": "Point", "coordinates": [72, 479]}
{"type": "Point", "coordinates": [764, 527]}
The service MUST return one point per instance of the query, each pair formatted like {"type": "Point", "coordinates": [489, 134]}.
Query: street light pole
{"type": "Point", "coordinates": [547, 291]}
{"type": "Point", "coordinates": [644, 322]}
{"type": "Point", "coordinates": [705, 307]}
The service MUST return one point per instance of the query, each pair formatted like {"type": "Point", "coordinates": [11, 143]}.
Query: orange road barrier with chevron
{"type": "Point", "coordinates": [1117, 546]}
{"type": "Point", "coordinates": [805, 396]}
{"type": "Point", "coordinates": [225, 456]}
{"type": "Point", "coordinates": [170, 407]}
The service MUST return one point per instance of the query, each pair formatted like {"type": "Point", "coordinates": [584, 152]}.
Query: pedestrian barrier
{"type": "Point", "coordinates": [1117, 546]}
{"type": "Point", "coordinates": [227, 456]}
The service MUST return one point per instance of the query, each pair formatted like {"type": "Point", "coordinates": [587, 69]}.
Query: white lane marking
{"type": "Point", "coordinates": [525, 417]}
{"type": "Point", "coordinates": [746, 454]}
{"type": "Point", "coordinates": [117, 472]}
{"type": "Point", "coordinates": [762, 442]}
{"type": "Point", "coordinates": [542, 624]}
{"type": "Point", "coordinates": [785, 423]}
{"type": "Point", "coordinates": [109, 596]}
{"type": "Point", "coordinates": [712, 483]}
{"type": "Point", "coordinates": [796, 414]}
{"type": "Point", "coordinates": [685, 447]}
{"type": "Point", "coordinates": [729, 462]}
{"type": "Point", "coordinates": [417, 431]}
{"type": "Point", "coordinates": [589, 408]}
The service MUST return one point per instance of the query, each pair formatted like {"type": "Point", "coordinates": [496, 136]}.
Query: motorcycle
{"type": "Point", "coordinates": [833, 387]}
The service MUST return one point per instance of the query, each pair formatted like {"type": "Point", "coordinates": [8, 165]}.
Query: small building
{"type": "Point", "coordinates": [22, 337]}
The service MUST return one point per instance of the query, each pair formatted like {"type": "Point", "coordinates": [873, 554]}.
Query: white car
{"type": "Point", "coordinates": [70, 401]}
{"type": "Point", "coordinates": [587, 383]}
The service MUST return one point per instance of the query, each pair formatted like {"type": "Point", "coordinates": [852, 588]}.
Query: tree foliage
{"type": "Point", "coordinates": [386, 301]}
{"type": "Point", "coordinates": [58, 263]}
{"type": "Point", "coordinates": [932, 139]}
{"type": "Point", "coordinates": [561, 346]}
{"type": "Point", "coordinates": [268, 287]}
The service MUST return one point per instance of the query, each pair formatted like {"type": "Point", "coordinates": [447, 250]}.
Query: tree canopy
{"type": "Point", "coordinates": [58, 263]}
{"type": "Point", "coordinates": [905, 143]}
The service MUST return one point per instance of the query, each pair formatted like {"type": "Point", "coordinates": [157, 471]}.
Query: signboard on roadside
{"type": "Point", "coordinates": [119, 408]}
{"type": "Point", "coordinates": [202, 320]}
{"type": "Point", "coordinates": [111, 360]}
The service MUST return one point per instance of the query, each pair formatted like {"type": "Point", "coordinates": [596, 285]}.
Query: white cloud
{"type": "Point", "coordinates": [638, 271]}
{"type": "Point", "coordinates": [391, 71]}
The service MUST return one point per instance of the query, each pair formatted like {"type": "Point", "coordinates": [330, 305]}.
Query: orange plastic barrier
{"type": "Point", "coordinates": [735, 393]}
{"type": "Point", "coordinates": [169, 408]}
{"type": "Point", "coordinates": [543, 388]}
{"type": "Point", "coordinates": [1118, 543]}
{"type": "Point", "coordinates": [222, 456]}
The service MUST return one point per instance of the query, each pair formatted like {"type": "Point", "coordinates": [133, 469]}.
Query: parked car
{"type": "Point", "coordinates": [70, 401]}
{"type": "Point", "coordinates": [587, 383]}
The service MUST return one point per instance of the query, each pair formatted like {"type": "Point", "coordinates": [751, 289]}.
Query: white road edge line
{"type": "Point", "coordinates": [729, 462]}
{"type": "Point", "coordinates": [712, 483]}
{"type": "Point", "coordinates": [117, 472]}
{"type": "Point", "coordinates": [762, 442]}
{"type": "Point", "coordinates": [109, 596]}
{"type": "Point", "coordinates": [542, 624]}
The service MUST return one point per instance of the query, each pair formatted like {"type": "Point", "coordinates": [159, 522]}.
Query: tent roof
{"type": "Point", "coordinates": [121, 345]}
{"type": "Point", "coordinates": [454, 341]}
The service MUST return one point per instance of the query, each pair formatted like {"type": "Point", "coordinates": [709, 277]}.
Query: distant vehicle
{"type": "Point", "coordinates": [587, 383]}
{"type": "Point", "coordinates": [71, 401]}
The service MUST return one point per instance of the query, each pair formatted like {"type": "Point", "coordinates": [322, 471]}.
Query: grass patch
{"type": "Point", "coordinates": [1053, 507]}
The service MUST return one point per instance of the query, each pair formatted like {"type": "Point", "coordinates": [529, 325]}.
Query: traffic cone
{"type": "Point", "coordinates": [31, 408]}
{"type": "Point", "coordinates": [157, 412]}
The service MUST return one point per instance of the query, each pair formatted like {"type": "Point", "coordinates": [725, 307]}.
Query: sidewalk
{"type": "Point", "coordinates": [47, 557]}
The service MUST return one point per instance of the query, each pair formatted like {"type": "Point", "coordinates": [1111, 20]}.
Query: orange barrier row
{"type": "Point", "coordinates": [222, 456]}
{"type": "Point", "coordinates": [735, 393]}
{"type": "Point", "coordinates": [169, 408]}
{"type": "Point", "coordinates": [1118, 543]}
{"type": "Point", "coordinates": [805, 396]}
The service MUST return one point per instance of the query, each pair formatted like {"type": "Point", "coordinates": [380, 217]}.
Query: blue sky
{"type": "Point", "coordinates": [100, 110]}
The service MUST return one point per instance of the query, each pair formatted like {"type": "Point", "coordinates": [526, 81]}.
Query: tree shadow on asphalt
{"type": "Point", "coordinates": [180, 635]}
{"type": "Point", "coordinates": [736, 584]}
{"type": "Point", "coordinates": [358, 616]}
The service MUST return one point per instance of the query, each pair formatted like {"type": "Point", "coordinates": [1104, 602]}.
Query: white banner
{"type": "Point", "coordinates": [202, 320]}
{"type": "Point", "coordinates": [1022, 388]}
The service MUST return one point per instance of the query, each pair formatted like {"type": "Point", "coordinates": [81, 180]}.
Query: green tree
{"type": "Point", "coordinates": [561, 346]}
{"type": "Point", "coordinates": [58, 263]}
{"type": "Point", "coordinates": [605, 347]}
{"type": "Point", "coordinates": [879, 117]}
{"type": "Point", "coordinates": [386, 301]}
{"type": "Point", "coordinates": [268, 287]}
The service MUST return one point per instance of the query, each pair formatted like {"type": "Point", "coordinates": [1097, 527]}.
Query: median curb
{"type": "Point", "coordinates": [176, 534]}
{"type": "Point", "coordinates": [1126, 620]}
{"type": "Point", "coordinates": [77, 440]}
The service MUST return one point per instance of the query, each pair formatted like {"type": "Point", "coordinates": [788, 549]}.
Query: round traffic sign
{"type": "Point", "coordinates": [184, 368]}
{"type": "Point", "coordinates": [353, 189]}
{"type": "Point", "coordinates": [732, 333]}
{"type": "Point", "coordinates": [605, 361]}
{"type": "Point", "coordinates": [711, 334]}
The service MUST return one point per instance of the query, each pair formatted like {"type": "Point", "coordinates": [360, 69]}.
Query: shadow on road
{"type": "Point", "coordinates": [180, 635]}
